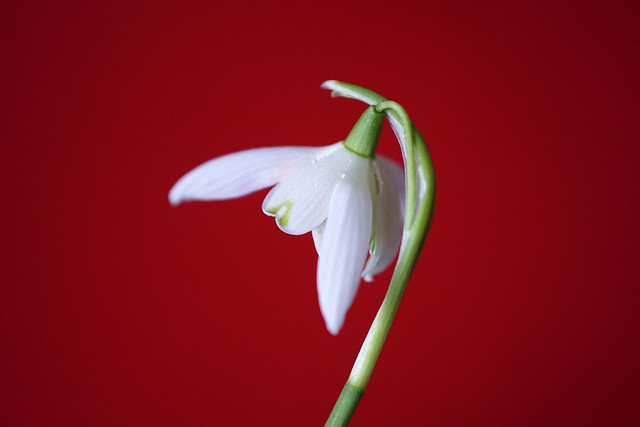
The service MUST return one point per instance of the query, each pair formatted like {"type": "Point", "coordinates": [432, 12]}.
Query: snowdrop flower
{"type": "Point", "coordinates": [349, 199]}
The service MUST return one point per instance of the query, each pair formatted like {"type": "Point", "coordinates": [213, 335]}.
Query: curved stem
{"type": "Point", "coordinates": [420, 201]}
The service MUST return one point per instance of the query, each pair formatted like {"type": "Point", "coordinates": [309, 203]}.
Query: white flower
{"type": "Point", "coordinates": [352, 205]}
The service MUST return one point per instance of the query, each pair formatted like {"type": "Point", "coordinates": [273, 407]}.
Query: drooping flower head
{"type": "Point", "coordinates": [350, 199]}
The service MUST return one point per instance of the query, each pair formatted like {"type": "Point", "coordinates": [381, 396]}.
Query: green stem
{"type": "Point", "coordinates": [345, 406]}
{"type": "Point", "coordinates": [419, 206]}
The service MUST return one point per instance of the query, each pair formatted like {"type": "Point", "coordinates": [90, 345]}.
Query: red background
{"type": "Point", "coordinates": [117, 309]}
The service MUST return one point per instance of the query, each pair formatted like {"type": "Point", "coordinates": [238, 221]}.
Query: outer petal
{"type": "Point", "coordinates": [344, 244]}
{"type": "Point", "coordinates": [301, 203]}
{"type": "Point", "coordinates": [238, 174]}
{"type": "Point", "coordinates": [387, 218]}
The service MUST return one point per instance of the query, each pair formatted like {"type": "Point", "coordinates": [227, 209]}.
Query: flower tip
{"type": "Point", "coordinates": [334, 325]}
{"type": "Point", "coordinates": [332, 86]}
{"type": "Point", "coordinates": [328, 84]}
{"type": "Point", "coordinates": [175, 197]}
{"type": "Point", "coordinates": [332, 314]}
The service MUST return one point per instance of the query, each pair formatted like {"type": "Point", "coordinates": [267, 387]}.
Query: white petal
{"type": "Point", "coordinates": [344, 244]}
{"type": "Point", "coordinates": [300, 203]}
{"type": "Point", "coordinates": [238, 174]}
{"type": "Point", "coordinates": [388, 218]}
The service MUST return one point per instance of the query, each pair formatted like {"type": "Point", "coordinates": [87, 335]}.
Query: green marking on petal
{"type": "Point", "coordinates": [282, 219]}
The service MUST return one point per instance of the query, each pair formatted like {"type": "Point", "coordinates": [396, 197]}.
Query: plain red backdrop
{"type": "Point", "coordinates": [117, 309]}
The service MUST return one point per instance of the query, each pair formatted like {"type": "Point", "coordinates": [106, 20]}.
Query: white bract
{"type": "Point", "coordinates": [353, 206]}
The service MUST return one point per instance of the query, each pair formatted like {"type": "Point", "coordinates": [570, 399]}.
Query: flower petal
{"type": "Point", "coordinates": [238, 174]}
{"type": "Point", "coordinates": [300, 203]}
{"type": "Point", "coordinates": [387, 217]}
{"type": "Point", "coordinates": [345, 244]}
